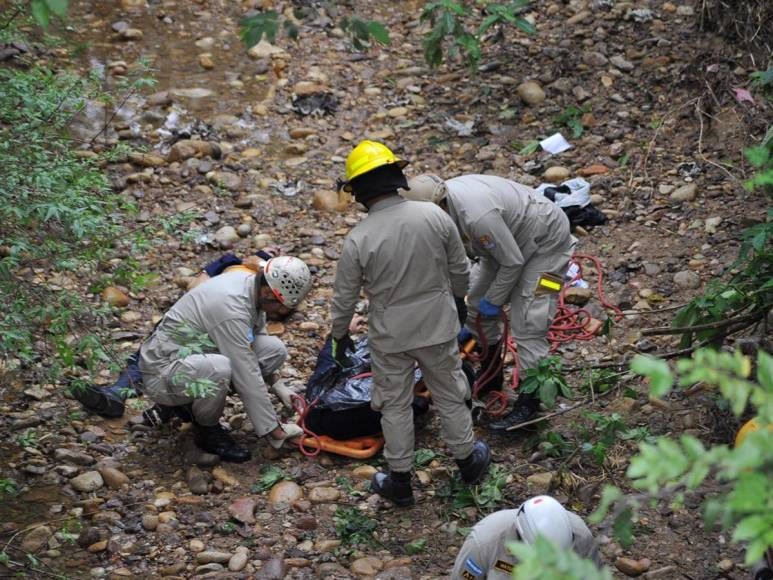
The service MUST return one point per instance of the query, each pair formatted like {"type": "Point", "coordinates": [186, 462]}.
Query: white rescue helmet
{"type": "Point", "coordinates": [544, 516]}
{"type": "Point", "coordinates": [425, 188]}
{"type": "Point", "coordinates": [289, 279]}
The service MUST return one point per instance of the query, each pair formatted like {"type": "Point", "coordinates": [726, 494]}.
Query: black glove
{"type": "Point", "coordinates": [461, 309]}
{"type": "Point", "coordinates": [339, 348]}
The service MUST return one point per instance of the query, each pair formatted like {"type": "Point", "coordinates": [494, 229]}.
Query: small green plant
{"type": "Point", "coordinates": [416, 547]}
{"type": "Point", "coordinates": [423, 456]}
{"type": "Point", "coordinates": [346, 484]}
{"type": "Point", "coordinates": [353, 527]}
{"type": "Point", "coordinates": [27, 439]}
{"type": "Point", "coordinates": [763, 78]}
{"type": "Point", "coordinates": [570, 117]}
{"type": "Point", "coordinates": [451, 36]}
{"type": "Point", "coordinates": [191, 340]}
{"type": "Point", "coordinates": [362, 32]}
{"type": "Point", "coordinates": [605, 431]}
{"type": "Point", "coordinates": [227, 528]}
{"type": "Point", "coordinates": [551, 444]}
{"type": "Point", "coordinates": [486, 497]}
{"type": "Point", "coordinates": [667, 468]}
{"type": "Point", "coordinates": [270, 475]}
{"type": "Point", "coordinates": [8, 487]}
{"type": "Point", "coordinates": [43, 10]}
{"type": "Point", "coordinates": [547, 381]}
{"type": "Point", "coordinates": [599, 380]}
{"type": "Point", "coordinates": [543, 560]}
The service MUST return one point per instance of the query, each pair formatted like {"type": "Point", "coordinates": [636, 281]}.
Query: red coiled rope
{"type": "Point", "coordinates": [568, 324]}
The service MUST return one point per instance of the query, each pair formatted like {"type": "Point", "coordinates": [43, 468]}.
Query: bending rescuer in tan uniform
{"type": "Point", "coordinates": [410, 261]}
{"type": "Point", "coordinates": [484, 553]}
{"type": "Point", "coordinates": [524, 244]}
{"type": "Point", "coordinates": [230, 311]}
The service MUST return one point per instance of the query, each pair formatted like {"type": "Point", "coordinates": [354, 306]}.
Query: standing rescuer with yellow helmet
{"type": "Point", "coordinates": [410, 261]}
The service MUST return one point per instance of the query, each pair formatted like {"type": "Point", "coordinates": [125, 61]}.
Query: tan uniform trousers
{"type": "Point", "coordinates": [531, 314]}
{"type": "Point", "coordinates": [393, 383]}
{"type": "Point", "coordinates": [167, 385]}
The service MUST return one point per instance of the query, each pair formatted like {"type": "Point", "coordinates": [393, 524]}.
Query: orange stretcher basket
{"type": "Point", "coordinates": [358, 448]}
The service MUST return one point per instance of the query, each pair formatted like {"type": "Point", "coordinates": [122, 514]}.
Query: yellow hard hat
{"type": "Point", "coordinates": [750, 426]}
{"type": "Point", "coordinates": [367, 156]}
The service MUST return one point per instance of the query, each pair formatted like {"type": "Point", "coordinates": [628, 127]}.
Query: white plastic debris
{"type": "Point", "coordinates": [555, 144]}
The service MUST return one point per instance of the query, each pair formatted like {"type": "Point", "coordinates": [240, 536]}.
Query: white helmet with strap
{"type": "Point", "coordinates": [289, 279]}
{"type": "Point", "coordinates": [544, 516]}
{"type": "Point", "coordinates": [425, 188]}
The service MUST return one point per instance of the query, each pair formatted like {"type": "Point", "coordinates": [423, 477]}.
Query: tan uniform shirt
{"type": "Point", "coordinates": [485, 555]}
{"type": "Point", "coordinates": [224, 309]}
{"type": "Point", "coordinates": [505, 223]}
{"type": "Point", "coordinates": [408, 257]}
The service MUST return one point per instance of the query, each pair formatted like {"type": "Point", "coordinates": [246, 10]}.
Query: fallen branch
{"type": "Point", "coordinates": [660, 330]}
{"type": "Point", "coordinates": [557, 413]}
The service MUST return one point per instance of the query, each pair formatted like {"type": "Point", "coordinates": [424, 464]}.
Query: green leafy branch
{"type": "Point", "coordinates": [450, 36]}
{"type": "Point", "coordinates": [666, 469]}
{"type": "Point", "coordinates": [543, 560]}
{"type": "Point", "coordinates": [546, 381]}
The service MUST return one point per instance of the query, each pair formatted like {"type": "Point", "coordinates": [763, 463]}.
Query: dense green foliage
{"type": "Point", "coordinates": [456, 29]}
{"type": "Point", "coordinates": [667, 468]}
{"type": "Point", "coordinates": [453, 33]}
{"type": "Point", "coordinates": [542, 560]}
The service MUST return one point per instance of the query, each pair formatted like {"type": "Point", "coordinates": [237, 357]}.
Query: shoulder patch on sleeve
{"type": "Point", "coordinates": [473, 567]}
{"type": "Point", "coordinates": [486, 241]}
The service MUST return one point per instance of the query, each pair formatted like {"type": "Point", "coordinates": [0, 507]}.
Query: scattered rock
{"type": "Point", "coordinates": [725, 565]}
{"type": "Point", "coordinates": [226, 237]}
{"type": "Point", "coordinates": [540, 482]}
{"type": "Point", "coordinates": [209, 568]}
{"type": "Point", "coordinates": [273, 569]}
{"type": "Point", "coordinates": [243, 510]}
{"type": "Point", "coordinates": [113, 478]}
{"type": "Point", "coordinates": [324, 494]}
{"type": "Point", "coordinates": [284, 492]}
{"type": "Point", "coordinates": [209, 556]}
{"type": "Point", "coordinates": [75, 457]}
{"type": "Point", "coordinates": [593, 170]}
{"type": "Point", "coordinates": [87, 481]}
{"type": "Point", "coordinates": [238, 562]}
{"type": "Point", "coordinates": [531, 93]}
{"type": "Point", "coordinates": [687, 280]}
{"type": "Point", "coordinates": [364, 472]}
{"type": "Point", "coordinates": [578, 296]}
{"type": "Point", "coordinates": [150, 522]}
{"type": "Point", "coordinates": [223, 476]}
{"type": "Point", "coordinates": [632, 567]}
{"type": "Point", "coordinates": [685, 193]}
{"type": "Point", "coordinates": [197, 481]}
{"type": "Point", "coordinates": [367, 566]}
{"type": "Point", "coordinates": [36, 539]}
{"type": "Point", "coordinates": [115, 297]}
{"type": "Point", "coordinates": [556, 174]}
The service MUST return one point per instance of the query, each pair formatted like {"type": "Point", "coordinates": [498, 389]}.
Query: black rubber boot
{"type": "Point", "coordinates": [99, 400]}
{"type": "Point", "coordinates": [525, 408]}
{"type": "Point", "coordinates": [395, 486]}
{"type": "Point", "coordinates": [214, 440]}
{"type": "Point", "coordinates": [496, 382]}
{"type": "Point", "coordinates": [473, 468]}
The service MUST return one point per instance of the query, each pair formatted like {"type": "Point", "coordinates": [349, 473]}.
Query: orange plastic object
{"type": "Point", "coordinates": [358, 448]}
